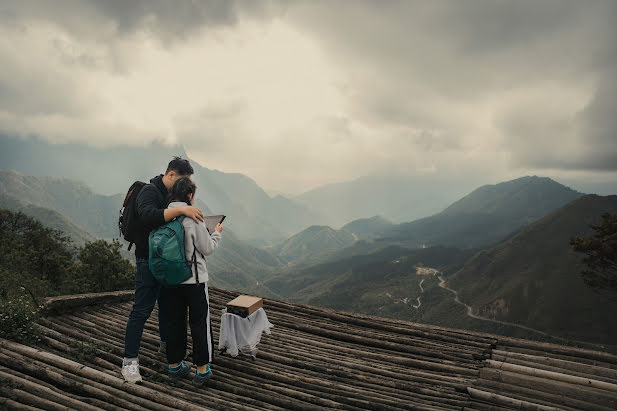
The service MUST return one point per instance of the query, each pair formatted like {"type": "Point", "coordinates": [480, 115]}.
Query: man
{"type": "Point", "coordinates": [153, 212]}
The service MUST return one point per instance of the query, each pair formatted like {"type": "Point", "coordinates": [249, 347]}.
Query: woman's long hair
{"type": "Point", "coordinates": [181, 190]}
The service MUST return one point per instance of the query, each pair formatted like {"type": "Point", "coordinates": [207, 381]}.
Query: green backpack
{"type": "Point", "coordinates": [167, 259]}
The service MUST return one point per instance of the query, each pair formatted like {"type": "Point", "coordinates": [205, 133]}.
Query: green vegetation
{"type": "Point", "coordinates": [68, 205]}
{"type": "Point", "coordinates": [37, 262]}
{"type": "Point", "coordinates": [49, 218]}
{"type": "Point", "coordinates": [533, 278]}
{"type": "Point", "coordinates": [315, 239]}
{"type": "Point", "coordinates": [367, 228]}
{"type": "Point", "coordinates": [349, 283]}
{"type": "Point", "coordinates": [600, 252]}
{"type": "Point", "coordinates": [97, 214]}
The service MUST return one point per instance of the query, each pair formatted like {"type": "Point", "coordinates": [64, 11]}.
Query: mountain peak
{"type": "Point", "coordinates": [540, 193]}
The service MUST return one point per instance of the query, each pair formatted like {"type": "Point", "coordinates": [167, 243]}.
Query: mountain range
{"type": "Point", "coordinates": [74, 208]}
{"type": "Point", "coordinates": [251, 213]}
{"type": "Point", "coordinates": [397, 198]}
{"type": "Point", "coordinates": [95, 213]}
{"type": "Point", "coordinates": [533, 277]}
{"type": "Point", "coordinates": [486, 215]}
{"type": "Point", "coordinates": [504, 247]}
{"type": "Point", "coordinates": [312, 241]}
{"type": "Point", "coordinates": [49, 218]}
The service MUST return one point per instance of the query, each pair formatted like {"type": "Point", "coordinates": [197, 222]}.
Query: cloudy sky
{"type": "Point", "coordinates": [297, 94]}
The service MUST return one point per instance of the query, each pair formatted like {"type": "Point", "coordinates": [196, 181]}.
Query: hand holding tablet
{"type": "Point", "coordinates": [212, 221]}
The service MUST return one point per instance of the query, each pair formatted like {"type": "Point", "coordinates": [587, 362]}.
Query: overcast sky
{"type": "Point", "coordinates": [296, 94]}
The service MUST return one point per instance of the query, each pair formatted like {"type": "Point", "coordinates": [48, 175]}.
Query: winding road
{"type": "Point", "coordinates": [419, 302]}
{"type": "Point", "coordinates": [442, 284]}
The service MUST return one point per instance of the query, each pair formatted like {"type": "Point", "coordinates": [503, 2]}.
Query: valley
{"type": "Point", "coordinates": [431, 270]}
{"type": "Point", "coordinates": [469, 311]}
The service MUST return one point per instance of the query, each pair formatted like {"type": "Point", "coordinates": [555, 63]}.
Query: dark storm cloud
{"type": "Point", "coordinates": [431, 85]}
{"type": "Point", "coordinates": [166, 20]}
{"type": "Point", "coordinates": [411, 60]}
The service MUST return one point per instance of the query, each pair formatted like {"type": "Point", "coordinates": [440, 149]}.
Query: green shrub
{"type": "Point", "coordinates": [17, 317]}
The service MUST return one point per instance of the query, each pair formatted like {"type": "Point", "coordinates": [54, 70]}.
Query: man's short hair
{"type": "Point", "coordinates": [181, 166]}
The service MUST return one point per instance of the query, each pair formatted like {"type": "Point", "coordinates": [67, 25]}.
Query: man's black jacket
{"type": "Point", "coordinates": [151, 204]}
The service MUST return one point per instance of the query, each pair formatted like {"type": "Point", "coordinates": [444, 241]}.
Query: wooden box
{"type": "Point", "coordinates": [244, 305]}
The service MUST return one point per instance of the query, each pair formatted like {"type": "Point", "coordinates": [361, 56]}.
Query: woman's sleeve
{"type": "Point", "coordinates": [205, 242]}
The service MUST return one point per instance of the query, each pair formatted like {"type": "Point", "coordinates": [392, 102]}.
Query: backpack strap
{"type": "Point", "coordinates": [194, 259]}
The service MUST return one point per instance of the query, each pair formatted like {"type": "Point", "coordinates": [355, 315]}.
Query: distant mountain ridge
{"type": "Point", "coordinates": [398, 198]}
{"type": "Point", "coordinates": [96, 213]}
{"type": "Point", "coordinates": [69, 205]}
{"type": "Point", "coordinates": [486, 215]}
{"type": "Point", "coordinates": [49, 218]}
{"type": "Point", "coordinates": [312, 241]}
{"type": "Point", "coordinates": [252, 214]}
{"type": "Point", "coordinates": [533, 277]}
{"type": "Point", "coordinates": [365, 228]}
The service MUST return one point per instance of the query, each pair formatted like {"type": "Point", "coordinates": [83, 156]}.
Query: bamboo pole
{"type": "Point", "coordinates": [15, 405]}
{"type": "Point", "coordinates": [586, 382]}
{"type": "Point", "coordinates": [499, 355]}
{"type": "Point", "coordinates": [95, 375]}
{"type": "Point", "coordinates": [560, 349]}
{"type": "Point", "coordinates": [507, 401]}
{"type": "Point", "coordinates": [51, 396]}
{"type": "Point", "coordinates": [75, 383]}
{"type": "Point", "coordinates": [541, 366]}
{"type": "Point", "coordinates": [588, 394]}
{"type": "Point", "coordinates": [560, 399]}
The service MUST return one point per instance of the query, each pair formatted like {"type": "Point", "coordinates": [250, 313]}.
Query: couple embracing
{"type": "Point", "coordinates": [169, 196]}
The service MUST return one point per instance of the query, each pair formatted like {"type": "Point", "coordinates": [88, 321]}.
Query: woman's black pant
{"type": "Point", "coordinates": [178, 299]}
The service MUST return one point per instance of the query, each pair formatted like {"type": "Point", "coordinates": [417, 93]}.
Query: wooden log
{"type": "Point", "coordinates": [581, 360]}
{"type": "Point", "coordinates": [499, 355]}
{"type": "Point", "coordinates": [74, 383]}
{"type": "Point", "coordinates": [35, 401]}
{"type": "Point", "coordinates": [397, 341]}
{"type": "Point", "coordinates": [95, 375]}
{"type": "Point", "coordinates": [542, 366]}
{"type": "Point", "coordinates": [249, 383]}
{"type": "Point", "coordinates": [378, 344]}
{"type": "Point", "coordinates": [561, 400]}
{"type": "Point", "coordinates": [560, 349]}
{"type": "Point", "coordinates": [359, 390]}
{"type": "Point", "coordinates": [378, 324]}
{"type": "Point", "coordinates": [40, 391]}
{"type": "Point", "coordinates": [265, 395]}
{"type": "Point", "coordinates": [15, 405]}
{"type": "Point", "coordinates": [571, 379]}
{"type": "Point", "coordinates": [507, 401]}
{"type": "Point", "coordinates": [409, 375]}
{"type": "Point", "coordinates": [579, 392]}
{"type": "Point", "coordinates": [338, 375]}
{"type": "Point", "coordinates": [321, 311]}
{"type": "Point", "coordinates": [371, 355]}
{"type": "Point", "coordinates": [487, 406]}
{"type": "Point", "coordinates": [67, 303]}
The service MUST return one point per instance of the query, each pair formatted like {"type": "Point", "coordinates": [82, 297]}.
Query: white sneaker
{"type": "Point", "coordinates": [130, 371]}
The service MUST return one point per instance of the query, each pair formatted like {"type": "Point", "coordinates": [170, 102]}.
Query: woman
{"type": "Point", "coordinates": [191, 294]}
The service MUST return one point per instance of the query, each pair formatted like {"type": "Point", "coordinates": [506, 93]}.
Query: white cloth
{"type": "Point", "coordinates": [243, 334]}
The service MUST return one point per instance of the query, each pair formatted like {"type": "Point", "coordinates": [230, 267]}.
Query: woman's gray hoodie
{"type": "Point", "coordinates": [197, 238]}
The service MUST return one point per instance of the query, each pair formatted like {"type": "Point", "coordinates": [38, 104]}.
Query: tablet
{"type": "Point", "coordinates": [212, 220]}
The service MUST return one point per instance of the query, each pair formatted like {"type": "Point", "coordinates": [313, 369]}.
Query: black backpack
{"type": "Point", "coordinates": [127, 222]}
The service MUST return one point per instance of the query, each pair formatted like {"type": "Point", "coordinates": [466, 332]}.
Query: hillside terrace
{"type": "Point", "coordinates": [316, 358]}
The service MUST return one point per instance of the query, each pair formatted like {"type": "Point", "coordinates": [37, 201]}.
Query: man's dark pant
{"type": "Point", "coordinates": [146, 294]}
{"type": "Point", "coordinates": [177, 300]}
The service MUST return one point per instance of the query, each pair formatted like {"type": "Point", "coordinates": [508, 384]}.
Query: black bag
{"type": "Point", "coordinates": [127, 222]}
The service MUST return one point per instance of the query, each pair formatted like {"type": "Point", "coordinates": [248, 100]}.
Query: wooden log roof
{"type": "Point", "coordinates": [316, 358]}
